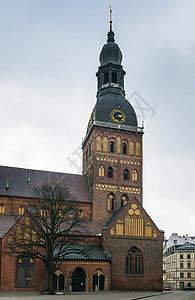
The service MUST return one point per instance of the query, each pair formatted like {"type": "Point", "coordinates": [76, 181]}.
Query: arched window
{"type": "Point", "coordinates": [134, 262]}
{"type": "Point", "coordinates": [98, 281]}
{"type": "Point", "coordinates": [101, 170]}
{"type": "Point", "coordinates": [98, 143]}
{"type": "Point", "coordinates": [25, 272]}
{"type": "Point", "coordinates": [126, 174]}
{"type": "Point", "coordinates": [124, 200]}
{"type": "Point", "coordinates": [118, 144]}
{"type": "Point", "coordinates": [18, 234]}
{"type": "Point", "coordinates": [105, 144]}
{"type": "Point", "coordinates": [10, 239]}
{"type": "Point", "coordinates": [110, 202]}
{"type": "Point", "coordinates": [2, 208]}
{"type": "Point", "coordinates": [59, 280]}
{"type": "Point", "coordinates": [119, 227]}
{"type": "Point", "coordinates": [131, 148]}
{"type": "Point", "coordinates": [112, 146]}
{"type": "Point", "coordinates": [125, 147]}
{"type": "Point", "coordinates": [114, 77]}
{"type": "Point", "coordinates": [134, 175]}
{"type": "Point", "coordinates": [106, 77]}
{"type": "Point", "coordinates": [81, 214]}
{"type": "Point", "coordinates": [138, 149]}
{"type": "Point", "coordinates": [21, 210]}
{"type": "Point", "coordinates": [110, 172]}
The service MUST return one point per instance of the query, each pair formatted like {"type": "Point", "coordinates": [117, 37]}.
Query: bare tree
{"type": "Point", "coordinates": [47, 230]}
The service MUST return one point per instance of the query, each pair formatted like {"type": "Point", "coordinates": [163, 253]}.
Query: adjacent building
{"type": "Point", "coordinates": [128, 246]}
{"type": "Point", "coordinates": [179, 262]}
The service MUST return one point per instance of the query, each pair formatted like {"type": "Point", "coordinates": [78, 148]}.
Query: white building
{"type": "Point", "coordinates": [179, 262]}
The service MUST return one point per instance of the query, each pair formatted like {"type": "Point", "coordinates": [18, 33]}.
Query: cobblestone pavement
{"type": "Point", "coordinates": [111, 295]}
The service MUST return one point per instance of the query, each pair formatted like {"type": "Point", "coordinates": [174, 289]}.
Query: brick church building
{"type": "Point", "coordinates": [127, 252]}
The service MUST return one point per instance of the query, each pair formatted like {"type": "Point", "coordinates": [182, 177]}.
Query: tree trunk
{"type": "Point", "coordinates": [50, 275]}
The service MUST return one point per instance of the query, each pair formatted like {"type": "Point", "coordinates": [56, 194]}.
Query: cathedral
{"type": "Point", "coordinates": [127, 252]}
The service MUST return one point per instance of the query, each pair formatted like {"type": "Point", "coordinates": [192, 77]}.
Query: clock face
{"type": "Point", "coordinates": [117, 116]}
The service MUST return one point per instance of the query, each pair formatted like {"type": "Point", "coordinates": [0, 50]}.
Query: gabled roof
{"type": "Point", "coordinates": [20, 182]}
{"type": "Point", "coordinates": [139, 208]}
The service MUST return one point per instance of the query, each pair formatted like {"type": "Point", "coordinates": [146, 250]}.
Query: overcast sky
{"type": "Point", "coordinates": [48, 58]}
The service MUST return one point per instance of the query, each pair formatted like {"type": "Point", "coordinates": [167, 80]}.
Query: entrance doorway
{"type": "Point", "coordinates": [181, 285]}
{"type": "Point", "coordinates": [78, 280]}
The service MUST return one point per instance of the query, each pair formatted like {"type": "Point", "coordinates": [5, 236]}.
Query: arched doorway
{"type": "Point", "coordinates": [98, 281]}
{"type": "Point", "coordinates": [59, 281]}
{"type": "Point", "coordinates": [78, 280]}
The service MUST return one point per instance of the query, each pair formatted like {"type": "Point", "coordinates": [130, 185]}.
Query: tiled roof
{"type": "Point", "coordinates": [83, 252]}
{"type": "Point", "coordinates": [85, 228]}
{"type": "Point", "coordinates": [89, 228]}
{"type": "Point", "coordinates": [21, 182]}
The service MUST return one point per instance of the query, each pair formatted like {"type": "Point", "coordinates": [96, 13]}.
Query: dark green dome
{"type": "Point", "coordinates": [109, 102]}
{"type": "Point", "coordinates": [111, 52]}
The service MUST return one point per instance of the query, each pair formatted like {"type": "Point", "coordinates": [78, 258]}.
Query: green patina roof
{"type": "Point", "coordinates": [85, 252]}
{"type": "Point", "coordinates": [114, 216]}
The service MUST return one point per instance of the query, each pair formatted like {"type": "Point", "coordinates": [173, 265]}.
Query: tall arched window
{"type": "Point", "coordinates": [18, 234]}
{"type": "Point", "coordinates": [138, 149]}
{"type": "Point", "coordinates": [98, 143]}
{"type": "Point", "coordinates": [126, 174]}
{"type": "Point", "coordinates": [21, 210]}
{"type": "Point", "coordinates": [105, 144]}
{"type": "Point", "coordinates": [25, 271]}
{"type": "Point", "coordinates": [2, 208]}
{"type": "Point", "coordinates": [134, 175]}
{"type": "Point", "coordinates": [114, 77]}
{"type": "Point", "coordinates": [110, 172]}
{"type": "Point", "coordinates": [101, 170]}
{"type": "Point", "coordinates": [125, 147]}
{"type": "Point", "coordinates": [112, 146]}
{"type": "Point", "coordinates": [131, 148]}
{"type": "Point", "coordinates": [106, 77]}
{"type": "Point", "coordinates": [110, 202]}
{"type": "Point", "coordinates": [118, 144]}
{"type": "Point", "coordinates": [134, 262]}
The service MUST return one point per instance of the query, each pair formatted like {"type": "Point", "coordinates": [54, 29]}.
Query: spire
{"type": "Point", "coordinates": [110, 18]}
{"type": "Point", "coordinates": [110, 33]}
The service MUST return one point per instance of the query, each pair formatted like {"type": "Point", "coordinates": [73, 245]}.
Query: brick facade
{"type": "Point", "coordinates": [109, 194]}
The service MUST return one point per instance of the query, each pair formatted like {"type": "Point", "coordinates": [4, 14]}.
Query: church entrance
{"type": "Point", "coordinates": [78, 280]}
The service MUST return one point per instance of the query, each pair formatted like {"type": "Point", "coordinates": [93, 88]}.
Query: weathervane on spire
{"type": "Point", "coordinates": [110, 18]}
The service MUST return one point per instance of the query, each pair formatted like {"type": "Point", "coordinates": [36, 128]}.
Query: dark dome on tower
{"type": "Point", "coordinates": [111, 52]}
{"type": "Point", "coordinates": [112, 110]}
{"type": "Point", "coordinates": [108, 103]}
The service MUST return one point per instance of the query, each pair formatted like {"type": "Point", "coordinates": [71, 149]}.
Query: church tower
{"type": "Point", "coordinates": [112, 148]}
